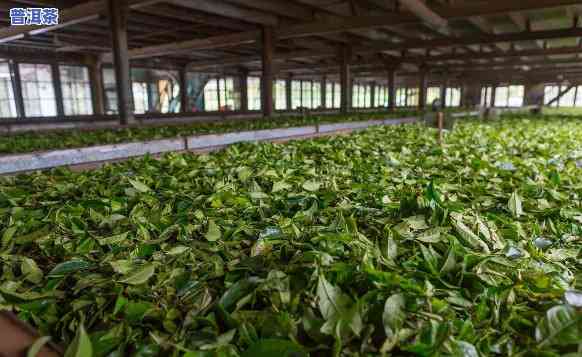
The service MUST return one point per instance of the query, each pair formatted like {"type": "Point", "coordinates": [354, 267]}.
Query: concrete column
{"type": "Point", "coordinates": [118, 11]}
{"type": "Point", "coordinates": [244, 89]}
{"type": "Point", "coordinates": [392, 88]}
{"type": "Point", "coordinates": [324, 92]}
{"type": "Point", "coordinates": [58, 89]}
{"type": "Point", "coordinates": [288, 91]}
{"type": "Point", "coordinates": [422, 78]}
{"type": "Point", "coordinates": [267, 79]}
{"type": "Point", "coordinates": [373, 94]}
{"type": "Point", "coordinates": [346, 83]}
{"type": "Point", "coordinates": [17, 89]}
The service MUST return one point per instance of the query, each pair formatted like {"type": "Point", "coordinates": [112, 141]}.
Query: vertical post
{"type": "Point", "coordinates": [373, 95]}
{"type": "Point", "coordinates": [440, 122]}
{"type": "Point", "coordinates": [118, 11]}
{"type": "Point", "coordinates": [323, 92]}
{"type": "Point", "coordinates": [267, 79]}
{"type": "Point", "coordinates": [444, 94]}
{"type": "Point", "coordinates": [346, 84]}
{"type": "Point", "coordinates": [184, 90]}
{"type": "Point", "coordinates": [422, 87]}
{"type": "Point", "coordinates": [17, 88]}
{"type": "Point", "coordinates": [391, 88]}
{"type": "Point", "coordinates": [244, 90]}
{"type": "Point", "coordinates": [97, 90]}
{"type": "Point", "coordinates": [493, 90]}
{"type": "Point", "coordinates": [288, 92]}
{"type": "Point", "coordinates": [58, 89]}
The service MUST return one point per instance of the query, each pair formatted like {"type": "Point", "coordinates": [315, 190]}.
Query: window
{"type": "Point", "coordinates": [568, 98]}
{"type": "Point", "coordinates": [110, 91]}
{"type": "Point", "coordinates": [572, 98]}
{"type": "Point", "coordinates": [501, 94]}
{"type": "Point", "coordinates": [516, 94]}
{"type": "Point", "coordinates": [332, 95]}
{"type": "Point", "coordinates": [211, 103]}
{"type": "Point", "coordinates": [7, 102]}
{"type": "Point", "coordinates": [361, 96]}
{"type": "Point", "coordinates": [432, 94]}
{"type": "Point", "coordinates": [381, 96]}
{"type": "Point", "coordinates": [486, 96]}
{"type": "Point", "coordinates": [254, 93]}
{"type": "Point", "coordinates": [316, 95]}
{"type": "Point", "coordinates": [400, 97]}
{"type": "Point", "coordinates": [159, 92]}
{"type": "Point", "coordinates": [140, 97]}
{"type": "Point", "coordinates": [38, 92]}
{"type": "Point", "coordinates": [453, 97]}
{"type": "Point", "coordinates": [509, 96]}
{"type": "Point", "coordinates": [219, 95]}
{"type": "Point", "coordinates": [280, 94]}
{"type": "Point", "coordinates": [76, 88]}
{"type": "Point", "coordinates": [306, 91]}
{"type": "Point", "coordinates": [578, 101]}
{"type": "Point", "coordinates": [305, 94]}
{"type": "Point", "coordinates": [412, 97]}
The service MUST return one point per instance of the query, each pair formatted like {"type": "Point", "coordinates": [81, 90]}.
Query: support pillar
{"type": "Point", "coordinates": [346, 88]}
{"type": "Point", "coordinates": [58, 89]}
{"type": "Point", "coordinates": [244, 89]}
{"type": "Point", "coordinates": [288, 92]}
{"type": "Point", "coordinates": [17, 89]}
{"type": "Point", "coordinates": [324, 92]}
{"type": "Point", "coordinates": [96, 79]}
{"type": "Point", "coordinates": [184, 90]}
{"type": "Point", "coordinates": [267, 79]}
{"type": "Point", "coordinates": [391, 88]}
{"type": "Point", "coordinates": [118, 11]}
{"type": "Point", "coordinates": [443, 94]}
{"type": "Point", "coordinates": [422, 87]}
{"type": "Point", "coordinates": [373, 95]}
{"type": "Point", "coordinates": [493, 90]}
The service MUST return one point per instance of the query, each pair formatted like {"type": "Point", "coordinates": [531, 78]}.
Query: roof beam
{"type": "Point", "coordinates": [426, 14]}
{"type": "Point", "coordinates": [473, 40]}
{"type": "Point", "coordinates": [77, 14]}
{"type": "Point", "coordinates": [228, 10]}
{"type": "Point", "coordinates": [367, 22]}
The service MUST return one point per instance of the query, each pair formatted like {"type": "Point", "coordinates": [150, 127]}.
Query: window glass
{"type": "Point", "coordinates": [515, 96]}
{"type": "Point", "coordinates": [76, 88]}
{"type": "Point", "coordinates": [400, 97]}
{"type": "Point", "coordinates": [316, 95]}
{"type": "Point", "coordinates": [568, 99]}
{"type": "Point", "coordinates": [432, 94]}
{"type": "Point", "coordinates": [7, 101]}
{"type": "Point", "coordinates": [501, 96]}
{"type": "Point", "coordinates": [337, 95]}
{"type": "Point", "coordinates": [38, 92]}
{"type": "Point", "coordinates": [486, 93]}
{"type": "Point", "coordinates": [140, 97]}
{"type": "Point", "coordinates": [110, 91]}
{"type": "Point", "coordinates": [412, 97]}
{"type": "Point", "coordinates": [453, 97]}
{"type": "Point", "coordinates": [254, 93]}
{"type": "Point", "coordinates": [295, 94]}
{"type": "Point", "coordinates": [306, 99]}
{"type": "Point", "coordinates": [280, 94]}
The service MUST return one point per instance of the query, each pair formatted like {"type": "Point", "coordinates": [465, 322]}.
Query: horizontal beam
{"type": "Point", "coordinates": [228, 10]}
{"type": "Point", "coordinates": [77, 14]}
{"type": "Point", "coordinates": [473, 40]}
{"type": "Point", "coordinates": [389, 19]}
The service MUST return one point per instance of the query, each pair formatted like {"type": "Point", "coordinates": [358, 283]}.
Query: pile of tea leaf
{"type": "Point", "coordinates": [376, 243]}
{"type": "Point", "coordinates": [67, 139]}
